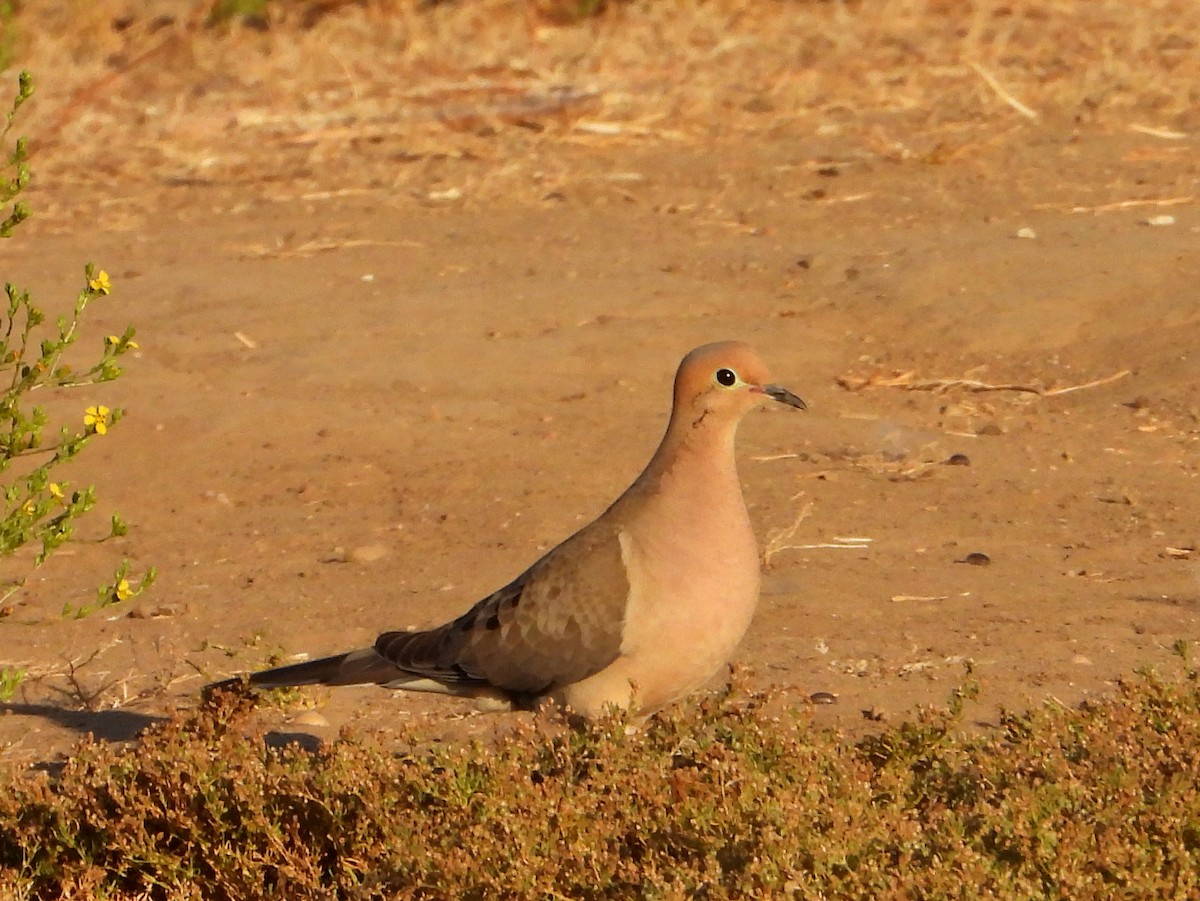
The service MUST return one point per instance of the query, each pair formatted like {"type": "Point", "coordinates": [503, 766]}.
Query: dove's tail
{"type": "Point", "coordinates": [362, 667]}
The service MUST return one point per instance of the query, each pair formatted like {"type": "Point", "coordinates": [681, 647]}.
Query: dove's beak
{"type": "Point", "coordinates": [775, 392]}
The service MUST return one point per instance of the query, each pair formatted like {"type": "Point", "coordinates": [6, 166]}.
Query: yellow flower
{"type": "Point", "coordinates": [100, 284]}
{"type": "Point", "coordinates": [29, 508]}
{"type": "Point", "coordinates": [56, 490]}
{"type": "Point", "coordinates": [123, 590]}
{"type": "Point", "coordinates": [113, 341]}
{"type": "Point", "coordinates": [96, 419]}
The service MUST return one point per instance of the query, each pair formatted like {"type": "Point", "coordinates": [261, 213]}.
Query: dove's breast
{"type": "Point", "coordinates": [693, 574]}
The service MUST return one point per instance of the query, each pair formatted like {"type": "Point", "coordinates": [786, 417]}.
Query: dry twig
{"type": "Point", "coordinates": [1002, 93]}
{"type": "Point", "coordinates": [1095, 383]}
{"type": "Point", "coordinates": [778, 542]}
{"type": "Point", "coordinates": [82, 696]}
{"type": "Point", "coordinates": [1167, 134]}
{"type": "Point", "coordinates": [909, 382]}
{"type": "Point", "coordinates": [310, 248]}
{"type": "Point", "coordinates": [1119, 205]}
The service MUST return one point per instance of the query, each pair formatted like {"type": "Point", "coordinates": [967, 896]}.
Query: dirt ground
{"type": "Point", "coordinates": [382, 369]}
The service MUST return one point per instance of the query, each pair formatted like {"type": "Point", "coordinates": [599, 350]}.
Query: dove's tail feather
{"type": "Point", "coordinates": [361, 667]}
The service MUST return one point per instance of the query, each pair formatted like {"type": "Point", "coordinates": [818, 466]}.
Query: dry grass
{"type": "Point", "coordinates": [910, 381]}
{"type": "Point", "coordinates": [721, 800]}
{"type": "Point", "coordinates": [395, 94]}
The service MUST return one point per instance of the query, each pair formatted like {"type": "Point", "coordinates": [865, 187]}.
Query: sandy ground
{"type": "Point", "coordinates": [374, 386]}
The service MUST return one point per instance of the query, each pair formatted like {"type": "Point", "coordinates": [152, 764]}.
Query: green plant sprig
{"type": "Point", "coordinates": [38, 506]}
{"type": "Point", "coordinates": [16, 163]}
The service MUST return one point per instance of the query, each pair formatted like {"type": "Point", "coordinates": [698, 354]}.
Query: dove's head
{"type": "Point", "coordinates": [725, 380]}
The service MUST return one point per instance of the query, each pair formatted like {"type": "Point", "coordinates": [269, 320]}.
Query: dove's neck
{"type": "Point", "coordinates": [696, 451]}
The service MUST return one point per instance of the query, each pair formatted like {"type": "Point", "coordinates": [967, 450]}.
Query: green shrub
{"type": "Point", "coordinates": [732, 797]}
{"type": "Point", "coordinates": [252, 12]}
{"type": "Point", "coordinates": [39, 506]}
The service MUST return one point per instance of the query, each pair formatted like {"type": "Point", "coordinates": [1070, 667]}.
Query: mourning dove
{"type": "Point", "coordinates": [633, 611]}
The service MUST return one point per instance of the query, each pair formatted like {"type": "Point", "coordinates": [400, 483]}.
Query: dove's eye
{"type": "Point", "coordinates": [726, 377]}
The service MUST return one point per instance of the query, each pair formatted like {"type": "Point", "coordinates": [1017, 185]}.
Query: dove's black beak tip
{"type": "Point", "coordinates": [775, 392]}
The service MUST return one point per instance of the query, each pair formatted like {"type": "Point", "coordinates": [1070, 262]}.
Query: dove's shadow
{"type": "Point", "coordinates": [105, 725]}
{"type": "Point", "coordinates": [125, 725]}
{"type": "Point", "coordinates": [302, 740]}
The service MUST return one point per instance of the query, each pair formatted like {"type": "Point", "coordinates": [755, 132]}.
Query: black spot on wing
{"type": "Point", "coordinates": [509, 595]}
{"type": "Point", "coordinates": [429, 654]}
{"type": "Point", "coordinates": [486, 612]}
{"type": "Point", "coordinates": [438, 653]}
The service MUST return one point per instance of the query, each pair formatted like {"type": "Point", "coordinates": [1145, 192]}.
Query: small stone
{"type": "Point", "coordinates": [367, 553]}
{"type": "Point", "coordinates": [990, 428]}
{"type": "Point", "coordinates": [975, 558]}
{"type": "Point", "coordinates": [1081, 660]}
{"type": "Point", "coordinates": [1161, 220]}
{"type": "Point", "coordinates": [759, 104]}
{"type": "Point", "coordinates": [161, 611]}
{"type": "Point", "coordinates": [822, 697]}
{"type": "Point", "coordinates": [1027, 233]}
{"type": "Point", "coordinates": [958, 460]}
{"type": "Point", "coordinates": [309, 718]}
